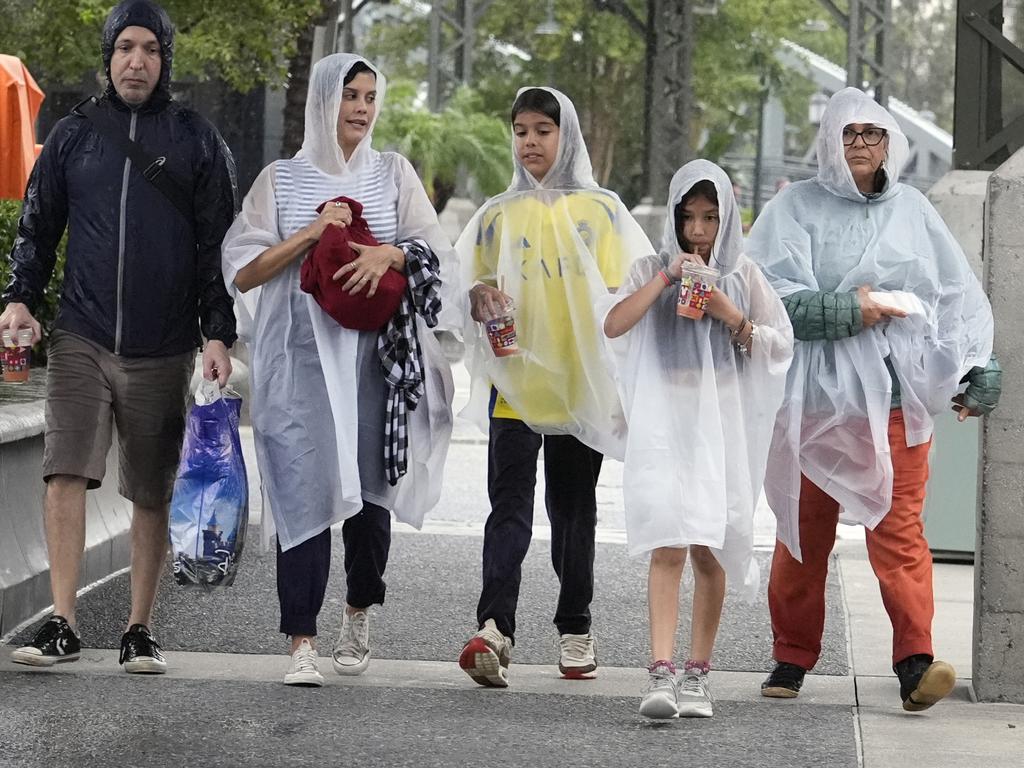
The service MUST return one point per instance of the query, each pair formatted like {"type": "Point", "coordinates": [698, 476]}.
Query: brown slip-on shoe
{"type": "Point", "coordinates": [935, 684]}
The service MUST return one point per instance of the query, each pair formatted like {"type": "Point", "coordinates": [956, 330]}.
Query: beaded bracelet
{"type": "Point", "coordinates": [742, 346]}
{"type": "Point", "coordinates": [735, 332]}
{"type": "Point", "coordinates": [734, 335]}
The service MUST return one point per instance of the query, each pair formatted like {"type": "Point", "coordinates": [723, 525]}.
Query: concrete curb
{"type": "Point", "coordinates": [24, 565]}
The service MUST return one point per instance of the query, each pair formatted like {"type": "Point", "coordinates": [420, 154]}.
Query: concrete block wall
{"type": "Point", "coordinates": [999, 569]}
{"type": "Point", "coordinates": [951, 502]}
{"type": "Point", "coordinates": [24, 566]}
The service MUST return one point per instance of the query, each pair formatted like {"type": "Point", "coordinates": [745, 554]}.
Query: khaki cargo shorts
{"type": "Point", "coordinates": [89, 390]}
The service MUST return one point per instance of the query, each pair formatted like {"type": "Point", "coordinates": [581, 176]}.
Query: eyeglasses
{"type": "Point", "coordinates": [871, 136]}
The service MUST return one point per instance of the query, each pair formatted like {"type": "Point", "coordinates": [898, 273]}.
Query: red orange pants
{"type": "Point", "coordinates": [897, 550]}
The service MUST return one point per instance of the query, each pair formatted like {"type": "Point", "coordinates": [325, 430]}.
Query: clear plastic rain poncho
{"type": "Point", "coordinates": [555, 246]}
{"type": "Point", "coordinates": [824, 235]}
{"type": "Point", "coordinates": [700, 412]}
{"type": "Point", "coordinates": [317, 388]}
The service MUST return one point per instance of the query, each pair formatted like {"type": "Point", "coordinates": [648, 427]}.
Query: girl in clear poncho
{"type": "Point", "coordinates": [890, 321]}
{"type": "Point", "coordinates": [553, 243]}
{"type": "Point", "coordinates": [318, 389]}
{"type": "Point", "coordinates": [700, 398]}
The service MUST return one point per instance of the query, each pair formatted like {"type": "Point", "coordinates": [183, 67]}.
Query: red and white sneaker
{"type": "Point", "coordinates": [486, 656]}
{"type": "Point", "coordinates": [577, 660]}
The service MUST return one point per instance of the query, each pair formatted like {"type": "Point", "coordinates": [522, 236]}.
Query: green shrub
{"type": "Point", "coordinates": [46, 312]}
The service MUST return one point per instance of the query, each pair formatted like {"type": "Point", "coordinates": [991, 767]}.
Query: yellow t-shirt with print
{"type": "Point", "coordinates": [550, 240]}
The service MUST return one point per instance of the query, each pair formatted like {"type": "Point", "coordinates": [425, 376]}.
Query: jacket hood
{"type": "Point", "coordinates": [572, 168]}
{"type": "Point", "coordinates": [725, 253]}
{"type": "Point", "coordinates": [323, 104]}
{"type": "Point", "coordinates": [852, 105]}
{"type": "Point", "coordinates": [141, 13]}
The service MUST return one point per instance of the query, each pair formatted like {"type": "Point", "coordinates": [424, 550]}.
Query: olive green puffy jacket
{"type": "Point", "coordinates": [821, 315]}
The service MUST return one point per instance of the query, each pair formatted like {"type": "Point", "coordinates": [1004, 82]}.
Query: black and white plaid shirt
{"type": "Point", "coordinates": [400, 355]}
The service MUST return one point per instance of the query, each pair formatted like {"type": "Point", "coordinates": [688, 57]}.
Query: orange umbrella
{"type": "Point", "coordinates": [20, 99]}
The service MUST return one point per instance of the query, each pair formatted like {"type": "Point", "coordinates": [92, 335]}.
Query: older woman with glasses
{"type": "Point", "coordinates": [890, 323]}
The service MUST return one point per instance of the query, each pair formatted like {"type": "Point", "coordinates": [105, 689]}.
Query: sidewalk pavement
{"type": "Point", "coordinates": [222, 702]}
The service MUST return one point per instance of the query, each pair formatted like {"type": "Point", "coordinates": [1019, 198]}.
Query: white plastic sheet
{"type": "Point", "coordinates": [700, 413]}
{"type": "Point", "coordinates": [314, 382]}
{"type": "Point", "coordinates": [556, 246]}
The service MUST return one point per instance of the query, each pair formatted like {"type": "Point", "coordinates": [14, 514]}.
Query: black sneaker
{"type": "Point", "coordinates": [55, 642]}
{"type": "Point", "coordinates": [140, 652]}
{"type": "Point", "coordinates": [784, 682]}
{"type": "Point", "coordinates": [923, 681]}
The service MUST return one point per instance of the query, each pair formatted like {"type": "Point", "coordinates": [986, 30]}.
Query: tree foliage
{"type": "Point", "coordinates": [244, 42]}
{"type": "Point", "coordinates": [598, 58]}
{"type": "Point", "coordinates": [922, 56]}
{"type": "Point", "coordinates": [46, 311]}
{"type": "Point", "coordinates": [461, 136]}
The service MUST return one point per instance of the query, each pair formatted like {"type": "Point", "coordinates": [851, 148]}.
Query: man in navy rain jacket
{"type": "Point", "coordinates": [142, 289]}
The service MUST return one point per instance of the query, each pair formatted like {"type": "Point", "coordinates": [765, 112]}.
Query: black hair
{"type": "Point", "coordinates": [540, 101]}
{"type": "Point", "coordinates": [704, 188]}
{"type": "Point", "coordinates": [355, 69]}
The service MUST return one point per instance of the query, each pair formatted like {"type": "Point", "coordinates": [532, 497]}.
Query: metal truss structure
{"type": "Point", "coordinates": [988, 121]}
{"type": "Point", "coordinates": [450, 49]}
{"type": "Point", "coordinates": [866, 23]}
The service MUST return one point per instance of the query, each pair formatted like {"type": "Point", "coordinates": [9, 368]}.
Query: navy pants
{"type": "Point", "coordinates": [571, 470]}
{"type": "Point", "coordinates": [303, 570]}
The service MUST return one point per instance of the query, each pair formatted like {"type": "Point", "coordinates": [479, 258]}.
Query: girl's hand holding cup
{"type": "Point", "coordinates": [675, 268]}
{"type": "Point", "coordinates": [723, 309]}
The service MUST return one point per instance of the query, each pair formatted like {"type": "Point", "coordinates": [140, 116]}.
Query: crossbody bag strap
{"type": "Point", "coordinates": [153, 169]}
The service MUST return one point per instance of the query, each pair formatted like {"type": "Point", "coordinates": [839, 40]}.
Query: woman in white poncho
{"type": "Point", "coordinates": [554, 242]}
{"type": "Point", "coordinates": [889, 318]}
{"type": "Point", "coordinates": [700, 398]}
{"type": "Point", "coordinates": [318, 389]}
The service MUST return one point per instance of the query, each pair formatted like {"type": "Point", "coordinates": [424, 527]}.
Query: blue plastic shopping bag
{"type": "Point", "coordinates": [210, 506]}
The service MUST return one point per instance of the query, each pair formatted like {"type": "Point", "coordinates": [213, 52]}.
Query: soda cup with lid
{"type": "Point", "coordinates": [698, 281]}
{"type": "Point", "coordinates": [501, 331]}
{"type": "Point", "coordinates": [17, 352]}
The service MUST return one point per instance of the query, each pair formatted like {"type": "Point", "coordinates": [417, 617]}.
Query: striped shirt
{"type": "Point", "coordinates": [300, 187]}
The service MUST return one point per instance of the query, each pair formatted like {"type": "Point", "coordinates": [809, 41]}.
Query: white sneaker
{"type": "Point", "coordinates": [659, 700]}
{"type": "Point", "coordinates": [577, 660]}
{"type": "Point", "coordinates": [352, 652]}
{"type": "Point", "coordinates": [303, 670]}
{"type": "Point", "coordinates": [693, 695]}
{"type": "Point", "coordinates": [486, 656]}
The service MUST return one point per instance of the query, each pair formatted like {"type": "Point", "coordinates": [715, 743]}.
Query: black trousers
{"type": "Point", "coordinates": [302, 571]}
{"type": "Point", "coordinates": [571, 470]}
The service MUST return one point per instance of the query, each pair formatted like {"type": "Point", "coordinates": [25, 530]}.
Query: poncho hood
{"type": "Point", "coordinates": [729, 243]}
{"type": "Point", "coordinates": [323, 103]}
{"type": "Point", "coordinates": [851, 105]}
{"type": "Point", "coordinates": [572, 168]}
{"type": "Point", "coordinates": [141, 13]}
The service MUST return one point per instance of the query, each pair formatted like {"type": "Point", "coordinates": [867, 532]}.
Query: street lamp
{"type": "Point", "coordinates": [816, 108]}
{"type": "Point", "coordinates": [549, 26]}
{"type": "Point", "coordinates": [706, 7]}
{"type": "Point", "coordinates": [816, 25]}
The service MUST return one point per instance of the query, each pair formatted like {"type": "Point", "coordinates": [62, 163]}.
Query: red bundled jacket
{"type": "Point", "coordinates": [354, 311]}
